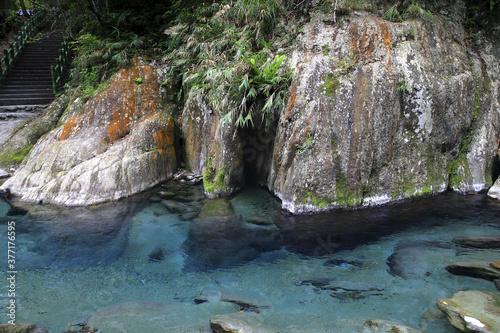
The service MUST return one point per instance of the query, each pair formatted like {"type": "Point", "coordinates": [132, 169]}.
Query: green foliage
{"type": "Point", "coordinates": [331, 84]}
{"type": "Point", "coordinates": [397, 14]}
{"type": "Point", "coordinates": [138, 80]}
{"type": "Point", "coordinates": [97, 59]}
{"type": "Point", "coordinates": [403, 86]}
{"type": "Point", "coordinates": [224, 52]}
{"type": "Point", "coordinates": [481, 13]}
{"type": "Point", "coordinates": [263, 82]}
{"type": "Point", "coordinates": [392, 14]}
{"type": "Point", "coordinates": [306, 148]}
{"type": "Point", "coordinates": [211, 181]}
{"type": "Point", "coordinates": [14, 158]}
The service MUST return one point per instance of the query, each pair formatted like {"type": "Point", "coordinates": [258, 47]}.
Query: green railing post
{"type": "Point", "coordinates": [54, 84]}
{"type": "Point", "coordinates": [29, 29]}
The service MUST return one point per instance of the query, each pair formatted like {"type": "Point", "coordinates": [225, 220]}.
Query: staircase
{"type": "Point", "coordinates": [30, 81]}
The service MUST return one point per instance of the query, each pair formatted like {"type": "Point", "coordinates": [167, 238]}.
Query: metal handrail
{"type": "Point", "coordinates": [28, 30]}
{"type": "Point", "coordinates": [60, 69]}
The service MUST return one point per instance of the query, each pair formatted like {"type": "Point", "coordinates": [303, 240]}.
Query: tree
{"type": "Point", "coordinates": [23, 7]}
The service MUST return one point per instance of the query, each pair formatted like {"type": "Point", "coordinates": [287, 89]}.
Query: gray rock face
{"type": "Point", "coordinates": [387, 110]}
{"type": "Point", "coordinates": [494, 191]}
{"type": "Point", "coordinates": [377, 112]}
{"type": "Point", "coordinates": [117, 144]}
{"type": "Point", "coordinates": [473, 311]}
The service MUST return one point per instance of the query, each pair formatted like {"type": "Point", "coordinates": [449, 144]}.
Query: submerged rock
{"type": "Point", "coordinates": [479, 242]}
{"type": "Point", "coordinates": [409, 260]}
{"type": "Point", "coordinates": [22, 328]}
{"type": "Point", "coordinates": [244, 322]}
{"type": "Point", "coordinates": [385, 326]}
{"type": "Point", "coordinates": [117, 144]}
{"type": "Point", "coordinates": [143, 316]}
{"type": "Point", "coordinates": [246, 299]}
{"type": "Point", "coordinates": [475, 269]}
{"type": "Point", "coordinates": [473, 311]}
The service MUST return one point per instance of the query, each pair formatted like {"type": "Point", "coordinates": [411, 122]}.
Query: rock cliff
{"type": "Point", "coordinates": [118, 143]}
{"type": "Point", "coordinates": [377, 111]}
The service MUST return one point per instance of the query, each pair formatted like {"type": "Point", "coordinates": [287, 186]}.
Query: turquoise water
{"type": "Point", "coordinates": [143, 265]}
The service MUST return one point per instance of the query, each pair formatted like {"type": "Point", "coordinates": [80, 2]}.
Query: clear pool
{"type": "Point", "coordinates": [140, 265]}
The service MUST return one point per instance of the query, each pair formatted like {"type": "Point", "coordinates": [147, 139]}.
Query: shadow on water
{"type": "Point", "coordinates": [72, 237]}
{"type": "Point", "coordinates": [228, 232]}
{"type": "Point", "coordinates": [323, 234]}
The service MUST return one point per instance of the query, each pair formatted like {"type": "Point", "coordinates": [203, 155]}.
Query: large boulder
{"type": "Point", "coordinates": [377, 111]}
{"type": "Point", "coordinates": [118, 143]}
{"type": "Point", "coordinates": [473, 311]}
{"type": "Point", "coordinates": [494, 191]}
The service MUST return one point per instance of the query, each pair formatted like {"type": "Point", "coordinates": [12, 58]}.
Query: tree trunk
{"type": "Point", "coordinates": [23, 7]}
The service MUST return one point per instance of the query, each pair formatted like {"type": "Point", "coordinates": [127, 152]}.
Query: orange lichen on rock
{"type": "Point", "coordinates": [72, 127]}
{"type": "Point", "coordinates": [386, 35]}
{"type": "Point", "coordinates": [134, 100]}
{"type": "Point", "coordinates": [291, 102]}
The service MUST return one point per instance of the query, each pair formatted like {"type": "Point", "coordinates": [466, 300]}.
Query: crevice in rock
{"type": "Point", "coordinates": [257, 144]}
{"type": "Point", "coordinates": [495, 168]}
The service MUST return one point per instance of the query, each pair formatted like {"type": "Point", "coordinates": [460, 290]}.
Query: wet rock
{"type": "Point", "coordinates": [497, 283]}
{"type": "Point", "coordinates": [119, 143]}
{"type": "Point", "coordinates": [156, 255]}
{"type": "Point", "coordinates": [165, 194]}
{"type": "Point", "coordinates": [218, 238]}
{"type": "Point", "coordinates": [75, 237]}
{"type": "Point", "coordinates": [494, 191]}
{"type": "Point", "coordinates": [434, 320]}
{"type": "Point", "coordinates": [343, 263]}
{"type": "Point", "coordinates": [246, 299]}
{"type": "Point", "coordinates": [22, 328]}
{"type": "Point", "coordinates": [385, 326]}
{"type": "Point", "coordinates": [317, 282]}
{"type": "Point", "coordinates": [189, 216]}
{"type": "Point", "coordinates": [4, 174]}
{"type": "Point", "coordinates": [208, 296]}
{"type": "Point", "coordinates": [175, 207]}
{"type": "Point", "coordinates": [479, 242]}
{"type": "Point", "coordinates": [24, 129]}
{"type": "Point", "coordinates": [245, 322]}
{"type": "Point", "coordinates": [481, 270]}
{"type": "Point", "coordinates": [188, 176]}
{"type": "Point", "coordinates": [216, 208]}
{"type": "Point", "coordinates": [473, 311]}
{"type": "Point", "coordinates": [142, 316]}
{"type": "Point", "coordinates": [260, 220]}
{"type": "Point", "coordinates": [352, 286]}
{"type": "Point", "coordinates": [409, 260]}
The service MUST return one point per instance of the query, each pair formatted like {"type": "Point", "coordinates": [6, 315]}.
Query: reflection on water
{"type": "Point", "coordinates": [171, 245]}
